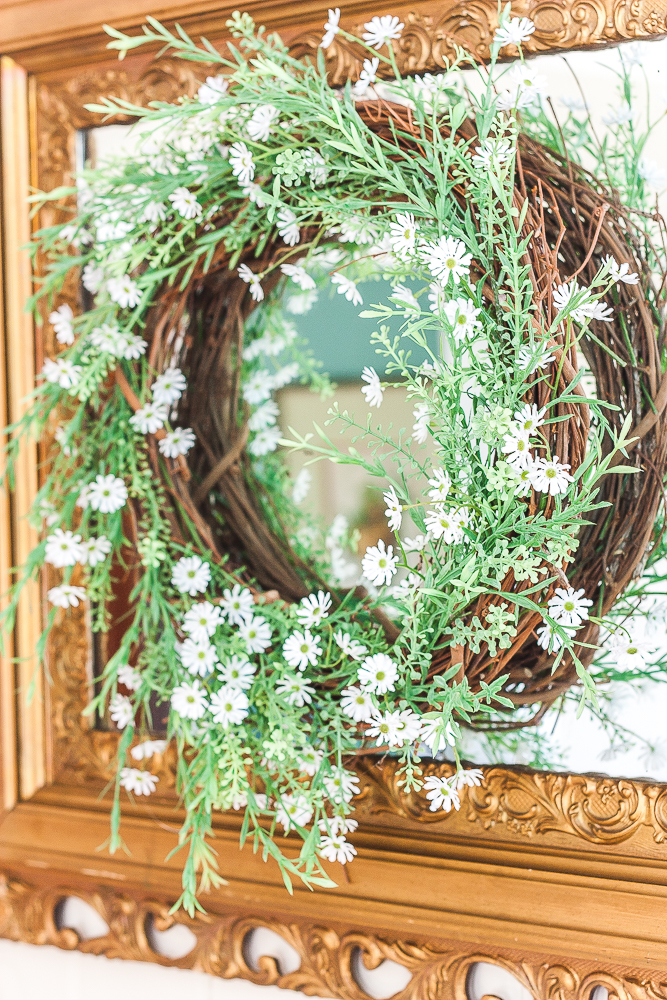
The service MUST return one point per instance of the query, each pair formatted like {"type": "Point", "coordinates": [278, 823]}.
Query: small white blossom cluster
{"type": "Point", "coordinates": [151, 418]}
{"type": "Point", "coordinates": [543, 474]}
{"type": "Point", "coordinates": [569, 609]}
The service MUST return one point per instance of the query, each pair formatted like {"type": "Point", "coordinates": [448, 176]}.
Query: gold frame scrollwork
{"type": "Point", "coordinates": [528, 851]}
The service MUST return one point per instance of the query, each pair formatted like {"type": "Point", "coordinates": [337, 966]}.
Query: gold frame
{"type": "Point", "coordinates": [558, 878]}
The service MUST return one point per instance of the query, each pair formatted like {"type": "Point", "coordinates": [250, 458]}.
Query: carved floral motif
{"type": "Point", "coordinates": [428, 41]}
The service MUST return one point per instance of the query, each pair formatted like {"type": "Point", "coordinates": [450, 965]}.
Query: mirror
{"type": "Point", "coordinates": [633, 745]}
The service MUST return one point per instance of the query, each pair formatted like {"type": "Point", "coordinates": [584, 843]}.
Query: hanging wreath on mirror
{"type": "Point", "coordinates": [532, 475]}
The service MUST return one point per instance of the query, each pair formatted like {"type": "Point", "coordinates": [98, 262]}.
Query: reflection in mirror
{"type": "Point", "coordinates": [486, 979]}
{"type": "Point", "coordinates": [388, 979]}
{"type": "Point", "coordinates": [262, 941]}
{"type": "Point", "coordinates": [633, 745]}
{"type": "Point", "coordinates": [77, 915]}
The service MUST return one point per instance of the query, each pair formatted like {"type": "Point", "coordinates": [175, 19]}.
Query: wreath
{"type": "Point", "coordinates": [528, 300]}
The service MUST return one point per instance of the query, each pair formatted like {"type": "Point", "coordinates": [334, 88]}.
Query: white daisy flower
{"type": "Point", "coordinates": [253, 193]}
{"type": "Point", "coordinates": [94, 551]}
{"type": "Point", "coordinates": [295, 690]}
{"type": "Point", "coordinates": [524, 87]}
{"type": "Point", "coordinates": [107, 338]}
{"type": "Point", "coordinates": [66, 596]}
{"type": "Point", "coordinates": [349, 646]}
{"type": "Point", "coordinates": [302, 485]}
{"type": "Point", "coordinates": [107, 494]}
{"type": "Point", "coordinates": [394, 511]}
{"type": "Point", "coordinates": [301, 649]}
{"type": "Point", "coordinates": [405, 297]}
{"type": "Point", "coordinates": [549, 639]}
{"type": "Point", "coordinates": [533, 358]}
{"type": "Point", "coordinates": [471, 777]}
{"type": "Point", "coordinates": [252, 279]}
{"type": "Point", "coordinates": [437, 732]}
{"type": "Point", "coordinates": [169, 387]}
{"type": "Point", "coordinates": [348, 288]}
{"type": "Point", "coordinates": [189, 700]}
{"type": "Point", "coordinates": [260, 125]}
{"type": "Point", "coordinates": [177, 442]}
{"type": "Point", "coordinates": [331, 28]}
{"type": "Point", "coordinates": [573, 103]}
{"type": "Point", "coordinates": [256, 633]}
{"type": "Point", "coordinates": [191, 575]}
{"type": "Point", "coordinates": [378, 673]}
{"type": "Point", "coordinates": [145, 750]}
{"type": "Point", "coordinates": [550, 476]}
{"type": "Point", "coordinates": [288, 227]}
{"type": "Point", "coordinates": [446, 258]}
{"type": "Point", "coordinates": [358, 229]}
{"type": "Point", "coordinates": [285, 375]}
{"type": "Point", "coordinates": [620, 272]}
{"type": "Point", "coordinates": [367, 76]}
{"type": "Point", "coordinates": [124, 291]}
{"type": "Point", "coordinates": [333, 825]}
{"type": "Point", "coordinates": [447, 524]}
{"type": "Point", "coordinates": [265, 442]}
{"type": "Point", "coordinates": [301, 303]}
{"type": "Point", "coordinates": [416, 544]}
{"type": "Point", "coordinates": [618, 116]}
{"type": "Point", "coordinates": [515, 31]}
{"type": "Point", "coordinates": [403, 235]}
{"type": "Point", "coordinates": [185, 203]}
{"type": "Point", "coordinates": [440, 484]}
{"type": "Point", "coordinates": [138, 782]}
{"type": "Point", "coordinates": [441, 794]}
{"type": "Point", "coordinates": [652, 173]}
{"type": "Point", "coordinates": [121, 710]}
{"type": "Point", "coordinates": [357, 704]}
{"type": "Point", "coordinates": [242, 163]}
{"type": "Point", "coordinates": [373, 391]}
{"type": "Point", "coordinates": [293, 811]}
{"type": "Point", "coordinates": [61, 321]}
{"type": "Point", "coordinates": [382, 30]}
{"type": "Point", "coordinates": [336, 849]}
{"type": "Point", "coordinates": [299, 276]}
{"type": "Point", "coordinates": [529, 418]}
{"type": "Point", "coordinates": [341, 784]}
{"type": "Point", "coordinates": [237, 672]}
{"type": "Point", "coordinates": [598, 310]}
{"type": "Point", "coordinates": [314, 608]}
{"type": "Point", "coordinates": [629, 653]}
{"type": "Point", "coordinates": [393, 729]}
{"type": "Point", "coordinates": [154, 211]}
{"type": "Point", "coordinates": [379, 564]}
{"type": "Point", "coordinates": [130, 347]}
{"type": "Point", "coordinates": [237, 605]}
{"type": "Point", "coordinates": [62, 548]}
{"type": "Point", "coordinates": [211, 91]}
{"type": "Point", "coordinates": [309, 761]}
{"type": "Point", "coordinates": [492, 154]}
{"type": "Point", "coordinates": [229, 706]}
{"type": "Point", "coordinates": [201, 621]}
{"type": "Point", "coordinates": [421, 426]}
{"type": "Point", "coordinates": [259, 387]}
{"type": "Point", "coordinates": [92, 278]}
{"type": "Point", "coordinates": [198, 657]}
{"type": "Point", "coordinates": [129, 676]}
{"type": "Point", "coordinates": [149, 418]}
{"type": "Point", "coordinates": [462, 316]}
{"type": "Point", "coordinates": [61, 372]}
{"type": "Point", "coordinates": [516, 448]}
{"type": "Point", "coordinates": [265, 416]}
{"type": "Point", "coordinates": [569, 607]}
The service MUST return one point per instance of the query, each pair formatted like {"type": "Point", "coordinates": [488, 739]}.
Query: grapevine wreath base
{"type": "Point", "coordinates": [576, 223]}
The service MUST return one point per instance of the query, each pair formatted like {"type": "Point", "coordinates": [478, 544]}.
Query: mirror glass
{"type": "Point", "coordinates": [633, 743]}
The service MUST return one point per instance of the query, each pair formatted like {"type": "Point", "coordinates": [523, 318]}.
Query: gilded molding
{"type": "Point", "coordinates": [428, 41]}
{"type": "Point", "coordinates": [594, 808]}
{"type": "Point", "coordinates": [440, 970]}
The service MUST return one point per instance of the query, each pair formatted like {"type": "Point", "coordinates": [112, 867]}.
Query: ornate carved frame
{"type": "Point", "coordinates": [561, 879]}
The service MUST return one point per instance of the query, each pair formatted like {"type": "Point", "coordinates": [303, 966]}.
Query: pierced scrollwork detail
{"type": "Point", "coordinates": [440, 970]}
{"type": "Point", "coordinates": [428, 42]}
